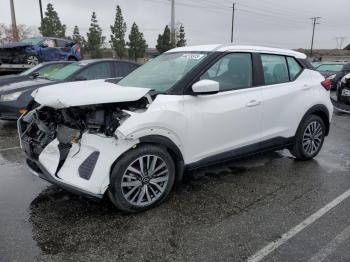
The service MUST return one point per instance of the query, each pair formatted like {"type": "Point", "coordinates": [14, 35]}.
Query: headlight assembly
{"type": "Point", "coordinates": [10, 97]}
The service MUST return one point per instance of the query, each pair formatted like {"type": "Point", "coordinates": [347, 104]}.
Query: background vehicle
{"type": "Point", "coordinates": [330, 68]}
{"type": "Point", "coordinates": [44, 70]}
{"type": "Point", "coordinates": [32, 51]}
{"type": "Point", "coordinates": [338, 76]}
{"type": "Point", "coordinates": [187, 108]}
{"type": "Point", "coordinates": [342, 103]}
{"type": "Point", "coordinates": [16, 96]}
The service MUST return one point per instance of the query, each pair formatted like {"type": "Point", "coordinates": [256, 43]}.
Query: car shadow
{"type": "Point", "coordinates": [65, 224]}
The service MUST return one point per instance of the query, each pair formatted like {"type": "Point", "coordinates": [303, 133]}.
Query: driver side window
{"type": "Point", "coordinates": [232, 72]}
{"type": "Point", "coordinates": [49, 43]}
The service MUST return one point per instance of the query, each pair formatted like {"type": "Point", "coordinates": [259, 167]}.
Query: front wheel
{"type": "Point", "coordinates": [142, 179]}
{"type": "Point", "coordinates": [309, 138]}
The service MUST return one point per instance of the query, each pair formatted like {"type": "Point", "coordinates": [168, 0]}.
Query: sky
{"type": "Point", "coordinates": [279, 23]}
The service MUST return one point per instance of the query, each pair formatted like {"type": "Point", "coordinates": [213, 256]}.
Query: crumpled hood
{"type": "Point", "coordinates": [14, 45]}
{"type": "Point", "coordinates": [84, 93]}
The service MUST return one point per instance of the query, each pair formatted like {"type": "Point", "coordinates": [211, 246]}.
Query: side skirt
{"type": "Point", "coordinates": [274, 144]}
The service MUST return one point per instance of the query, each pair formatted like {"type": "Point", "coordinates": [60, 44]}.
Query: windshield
{"type": "Point", "coordinates": [330, 67]}
{"type": "Point", "coordinates": [31, 41]}
{"type": "Point", "coordinates": [161, 73]}
{"type": "Point", "coordinates": [31, 70]}
{"type": "Point", "coordinates": [65, 72]}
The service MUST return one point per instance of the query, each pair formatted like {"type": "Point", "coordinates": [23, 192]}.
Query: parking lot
{"type": "Point", "coordinates": [224, 213]}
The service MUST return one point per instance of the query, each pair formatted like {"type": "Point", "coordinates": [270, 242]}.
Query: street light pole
{"type": "Point", "coordinates": [315, 22]}
{"type": "Point", "coordinates": [233, 20]}
{"type": "Point", "coordinates": [41, 11]}
{"type": "Point", "coordinates": [172, 37]}
{"type": "Point", "coordinates": [14, 25]}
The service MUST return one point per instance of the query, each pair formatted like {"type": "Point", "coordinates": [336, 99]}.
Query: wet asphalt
{"type": "Point", "coordinates": [223, 213]}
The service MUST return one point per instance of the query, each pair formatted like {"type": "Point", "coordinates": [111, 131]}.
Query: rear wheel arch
{"type": "Point", "coordinates": [322, 112]}
{"type": "Point", "coordinates": [72, 58]}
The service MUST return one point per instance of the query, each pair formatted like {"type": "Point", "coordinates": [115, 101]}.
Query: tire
{"type": "Point", "coordinates": [71, 58]}
{"type": "Point", "coordinates": [146, 190]}
{"type": "Point", "coordinates": [32, 60]}
{"type": "Point", "coordinates": [311, 132]}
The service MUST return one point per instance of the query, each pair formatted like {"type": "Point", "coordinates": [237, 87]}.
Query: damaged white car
{"type": "Point", "coordinates": [186, 109]}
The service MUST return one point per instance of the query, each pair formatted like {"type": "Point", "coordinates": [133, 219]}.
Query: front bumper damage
{"type": "Point", "coordinates": [86, 167]}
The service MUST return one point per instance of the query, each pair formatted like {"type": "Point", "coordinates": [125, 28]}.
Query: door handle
{"type": "Point", "coordinates": [253, 103]}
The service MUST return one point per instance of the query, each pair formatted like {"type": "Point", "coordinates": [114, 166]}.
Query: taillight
{"type": "Point", "coordinates": [77, 48]}
{"type": "Point", "coordinates": [327, 84]}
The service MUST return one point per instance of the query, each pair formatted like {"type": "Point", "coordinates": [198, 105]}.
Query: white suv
{"type": "Point", "coordinates": [188, 108]}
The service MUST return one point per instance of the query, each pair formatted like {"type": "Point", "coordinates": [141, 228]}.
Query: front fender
{"type": "Point", "coordinates": [164, 123]}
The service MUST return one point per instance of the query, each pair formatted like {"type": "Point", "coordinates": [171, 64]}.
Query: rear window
{"type": "Point", "coordinates": [124, 68]}
{"type": "Point", "coordinates": [294, 68]}
{"type": "Point", "coordinates": [62, 43]}
{"type": "Point", "coordinates": [275, 69]}
{"type": "Point", "coordinates": [330, 67]}
{"type": "Point", "coordinates": [31, 41]}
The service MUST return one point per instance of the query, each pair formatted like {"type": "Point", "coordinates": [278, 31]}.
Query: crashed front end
{"type": "Point", "coordinates": [12, 54]}
{"type": "Point", "coordinates": [75, 147]}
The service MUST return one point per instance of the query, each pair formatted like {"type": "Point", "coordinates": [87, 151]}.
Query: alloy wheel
{"type": "Point", "coordinates": [32, 60]}
{"type": "Point", "coordinates": [144, 180]}
{"type": "Point", "coordinates": [312, 138]}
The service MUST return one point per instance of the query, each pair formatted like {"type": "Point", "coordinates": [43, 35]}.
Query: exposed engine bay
{"type": "Point", "coordinates": [42, 125]}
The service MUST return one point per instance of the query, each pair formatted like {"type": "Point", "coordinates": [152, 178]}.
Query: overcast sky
{"type": "Point", "coordinates": [282, 23]}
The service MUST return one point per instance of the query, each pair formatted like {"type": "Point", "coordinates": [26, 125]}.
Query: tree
{"type": "Point", "coordinates": [181, 40]}
{"type": "Point", "coordinates": [23, 32]}
{"type": "Point", "coordinates": [164, 41]}
{"type": "Point", "coordinates": [137, 44]}
{"type": "Point", "coordinates": [118, 33]}
{"type": "Point", "coordinates": [76, 37]}
{"type": "Point", "coordinates": [95, 39]}
{"type": "Point", "coordinates": [51, 24]}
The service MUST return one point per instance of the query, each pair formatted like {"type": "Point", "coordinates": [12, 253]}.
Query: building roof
{"type": "Point", "coordinates": [234, 47]}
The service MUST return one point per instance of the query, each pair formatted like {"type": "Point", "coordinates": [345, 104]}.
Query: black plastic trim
{"type": "Point", "coordinates": [258, 148]}
{"type": "Point", "coordinates": [37, 168]}
{"type": "Point", "coordinates": [166, 142]}
{"type": "Point", "coordinates": [87, 167]}
{"type": "Point", "coordinates": [258, 70]}
{"type": "Point", "coordinates": [319, 108]}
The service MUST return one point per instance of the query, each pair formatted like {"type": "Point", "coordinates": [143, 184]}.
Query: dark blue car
{"type": "Point", "coordinates": [35, 50]}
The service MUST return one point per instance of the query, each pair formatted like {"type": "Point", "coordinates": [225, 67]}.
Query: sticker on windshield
{"type": "Point", "coordinates": [193, 56]}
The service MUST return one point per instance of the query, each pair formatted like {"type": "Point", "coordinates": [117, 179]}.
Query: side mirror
{"type": "Point", "coordinates": [206, 87]}
{"type": "Point", "coordinates": [43, 45]}
{"type": "Point", "coordinates": [35, 75]}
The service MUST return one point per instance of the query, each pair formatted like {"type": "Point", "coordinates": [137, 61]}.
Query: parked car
{"type": "Point", "coordinates": [338, 76]}
{"type": "Point", "coordinates": [44, 70]}
{"type": "Point", "coordinates": [188, 108]}
{"type": "Point", "coordinates": [15, 97]}
{"type": "Point", "coordinates": [343, 91]}
{"type": "Point", "coordinates": [330, 68]}
{"type": "Point", "coordinates": [35, 50]}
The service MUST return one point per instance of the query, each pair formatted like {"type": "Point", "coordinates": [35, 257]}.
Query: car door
{"type": "Point", "coordinates": [100, 70]}
{"type": "Point", "coordinates": [49, 50]}
{"type": "Point", "coordinates": [230, 119]}
{"type": "Point", "coordinates": [63, 49]}
{"type": "Point", "coordinates": [287, 95]}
